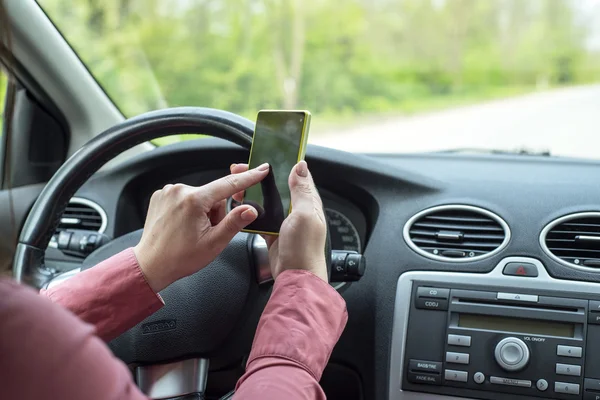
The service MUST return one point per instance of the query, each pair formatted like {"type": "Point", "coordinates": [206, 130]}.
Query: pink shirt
{"type": "Point", "coordinates": [47, 351]}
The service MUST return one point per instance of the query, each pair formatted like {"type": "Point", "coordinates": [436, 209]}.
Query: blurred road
{"type": "Point", "coordinates": [564, 121]}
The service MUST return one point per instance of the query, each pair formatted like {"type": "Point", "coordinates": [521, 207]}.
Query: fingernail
{"type": "Point", "coordinates": [302, 169]}
{"type": "Point", "coordinates": [263, 167]}
{"type": "Point", "coordinates": [249, 215]}
{"type": "Point", "coordinates": [232, 166]}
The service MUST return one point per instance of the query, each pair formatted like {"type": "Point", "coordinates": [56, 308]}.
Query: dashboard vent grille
{"type": "Point", "coordinates": [457, 233]}
{"type": "Point", "coordinates": [83, 214]}
{"type": "Point", "coordinates": [574, 240]}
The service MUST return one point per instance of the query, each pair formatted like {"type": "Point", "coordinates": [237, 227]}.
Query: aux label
{"type": "Point", "coordinates": [534, 339]}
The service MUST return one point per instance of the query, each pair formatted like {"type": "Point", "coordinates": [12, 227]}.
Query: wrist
{"type": "Point", "coordinates": [151, 271]}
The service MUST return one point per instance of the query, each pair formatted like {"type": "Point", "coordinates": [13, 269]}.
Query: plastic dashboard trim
{"type": "Point", "coordinates": [460, 207]}
{"type": "Point", "coordinates": [494, 278]}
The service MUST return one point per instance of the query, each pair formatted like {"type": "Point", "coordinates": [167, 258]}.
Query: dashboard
{"type": "Point", "coordinates": [513, 237]}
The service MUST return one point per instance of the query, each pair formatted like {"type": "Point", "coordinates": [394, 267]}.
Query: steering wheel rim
{"type": "Point", "coordinates": [28, 265]}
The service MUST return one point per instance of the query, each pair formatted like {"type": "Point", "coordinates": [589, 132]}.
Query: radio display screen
{"type": "Point", "coordinates": [516, 325]}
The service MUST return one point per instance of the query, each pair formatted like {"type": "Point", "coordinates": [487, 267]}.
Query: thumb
{"type": "Point", "coordinates": [302, 188]}
{"type": "Point", "coordinates": [234, 221]}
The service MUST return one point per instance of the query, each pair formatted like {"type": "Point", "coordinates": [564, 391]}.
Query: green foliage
{"type": "Point", "coordinates": [3, 86]}
{"type": "Point", "coordinates": [333, 58]}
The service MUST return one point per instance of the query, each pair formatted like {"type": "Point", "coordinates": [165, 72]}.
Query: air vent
{"type": "Point", "coordinates": [83, 214]}
{"type": "Point", "coordinates": [574, 240]}
{"type": "Point", "coordinates": [456, 233]}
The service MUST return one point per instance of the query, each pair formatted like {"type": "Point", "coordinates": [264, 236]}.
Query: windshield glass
{"type": "Point", "coordinates": [378, 75]}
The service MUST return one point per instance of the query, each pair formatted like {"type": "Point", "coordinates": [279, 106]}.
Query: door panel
{"type": "Point", "coordinates": [30, 153]}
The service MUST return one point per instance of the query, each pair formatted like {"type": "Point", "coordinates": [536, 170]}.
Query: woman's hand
{"type": "Point", "coordinates": [301, 241]}
{"type": "Point", "coordinates": [187, 227]}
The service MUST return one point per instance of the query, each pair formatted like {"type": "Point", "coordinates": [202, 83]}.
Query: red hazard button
{"type": "Point", "coordinates": [520, 269]}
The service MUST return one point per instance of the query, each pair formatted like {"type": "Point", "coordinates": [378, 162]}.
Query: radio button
{"type": "Point", "coordinates": [432, 304]}
{"type": "Point", "coordinates": [531, 298]}
{"type": "Point", "coordinates": [568, 369]}
{"type": "Point", "coordinates": [510, 382]}
{"type": "Point", "coordinates": [592, 384]}
{"type": "Point", "coordinates": [479, 377]}
{"type": "Point", "coordinates": [457, 358]}
{"type": "Point", "coordinates": [594, 318]}
{"type": "Point", "coordinates": [520, 269]}
{"type": "Point", "coordinates": [456, 376]}
{"type": "Point", "coordinates": [542, 385]}
{"type": "Point", "coordinates": [591, 396]}
{"type": "Point", "coordinates": [425, 366]}
{"type": "Point", "coordinates": [459, 340]}
{"type": "Point", "coordinates": [433, 293]}
{"type": "Point", "coordinates": [591, 389]}
{"type": "Point", "coordinates": [429, 379]}
{"type": "Point", "coordinates": [594, 306]}
{"type": "Point", "coordinates": [512, 354]}
{"type": "Point", "coordinates": [568, 351]}
{"type": "Point", "coordinates": [563, 387]}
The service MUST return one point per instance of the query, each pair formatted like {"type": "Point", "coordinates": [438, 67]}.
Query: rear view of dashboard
{"type": "Point", "coordinates": [443, 223]}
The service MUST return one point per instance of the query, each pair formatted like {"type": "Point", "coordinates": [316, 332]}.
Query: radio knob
{"type": "Point", "coordinates": [512, 354]}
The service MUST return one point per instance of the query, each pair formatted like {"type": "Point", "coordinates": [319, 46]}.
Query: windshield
{"type": "Point", "coordinates": [377, 75]}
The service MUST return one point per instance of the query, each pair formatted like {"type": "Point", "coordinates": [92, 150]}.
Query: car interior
{"type": "Point", "coordinates": [467, 275]}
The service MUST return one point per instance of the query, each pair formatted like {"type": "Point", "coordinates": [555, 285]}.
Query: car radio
{"type": "Point", "coordinates": [496, 336]}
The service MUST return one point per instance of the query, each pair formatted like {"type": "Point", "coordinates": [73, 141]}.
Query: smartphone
{"type": "Point", "coordinates": [280, 139]}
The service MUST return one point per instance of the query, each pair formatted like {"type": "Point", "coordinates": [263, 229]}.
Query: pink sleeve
{"type": "Point", "coordinates": [47, 352]}
{"type": "Point", "coordinates": [296, 333]}
{"type": "Point", "coordinates": [113, 296]}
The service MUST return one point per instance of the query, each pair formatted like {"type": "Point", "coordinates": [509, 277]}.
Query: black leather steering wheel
{"type": "Point", "coordinates": [202, 308]}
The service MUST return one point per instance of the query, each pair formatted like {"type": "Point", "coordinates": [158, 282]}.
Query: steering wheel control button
{"type": "Point", "coordinates": [510, 382]}
{"type": "Point", "coordinates": [421, 377]}
{"type": "Point", "coordinates": [456, 376]}
{"type": "Point", "coordinates": [355, 265]}
{"type": "Point", "coordinates": [541, 385]}
{"type": "Point", "coordinates": [512, 354]}
{"type": "Point", "coordinates": [459, 340]}
{"type": "Point", "coordinates": [520, 269]}
{"type": "Point", "coordinates": [338, 263]}
{"type": "Point", "coordinates": [347, 266]}
{"type": "Point", "coordinates": [425, 366]}
{"type": "Point", "coordinates": [433, 293]}
{"type": "Point", "coordinates": [568, 388]}
{"type": "Point", "coordinates": [568, 369]}
{"type": "Point", "coordinates": [457, 358]}
{"type": "Point", "coordinates": [568, 351]}
{"type": "Point", "coordinates": [479, 378]}
{"type": "Point", "coordinates": [531, 298]}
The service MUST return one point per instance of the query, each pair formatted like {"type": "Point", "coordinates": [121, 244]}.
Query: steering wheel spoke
{"type": "Point", "coordinates": [166, 381]}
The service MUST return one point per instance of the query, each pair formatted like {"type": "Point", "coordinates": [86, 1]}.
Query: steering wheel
{"type": "Point", "coordinates": [201, 310]}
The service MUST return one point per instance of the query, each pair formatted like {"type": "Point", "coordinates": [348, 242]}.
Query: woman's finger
{"type": "Point", "coordinates": [238, 169]}
{"type": "Point", "coordinates": [231, 184]}
{"type": "Point", "coordinates": [222, 233]}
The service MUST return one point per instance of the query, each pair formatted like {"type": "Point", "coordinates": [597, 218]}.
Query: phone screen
{"type": "Point", "coordinates": [278, 140]}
